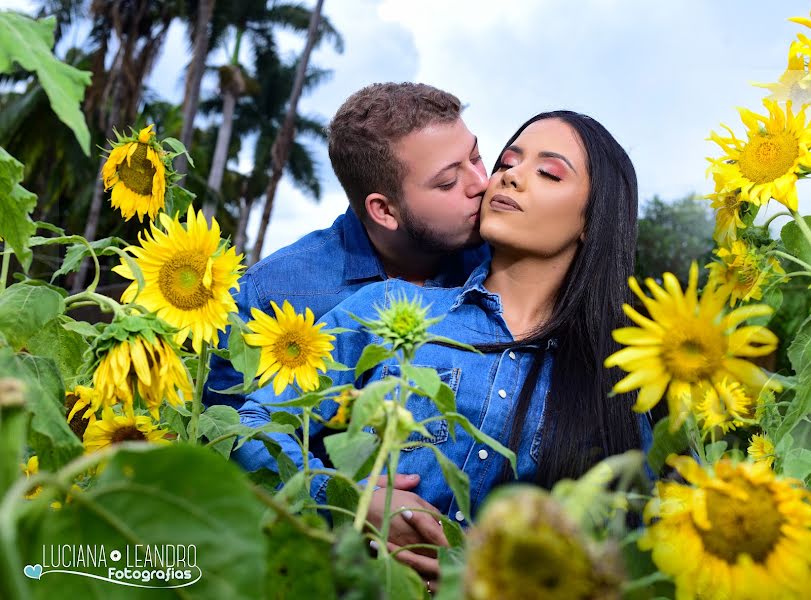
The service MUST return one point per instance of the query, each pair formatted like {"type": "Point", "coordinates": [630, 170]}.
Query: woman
{"type": "Point", "coordinates": [560, 215]}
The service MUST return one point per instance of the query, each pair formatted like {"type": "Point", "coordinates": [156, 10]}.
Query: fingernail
{"type": "Point", "coordinates": [407, 514]}
{"type": "Point", "coordinates": [374, 545]}
{"type": "Point", "coordinates": [440, 523]}
{"type": "Point", "coordinates": [412, 476]}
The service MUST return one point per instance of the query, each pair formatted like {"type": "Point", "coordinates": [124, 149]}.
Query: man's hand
{"type": "Point", "coordinates": [410, 526]}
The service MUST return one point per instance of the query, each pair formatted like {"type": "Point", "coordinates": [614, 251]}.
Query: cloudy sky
{"type": "Point", "coordinates": [658, 75]}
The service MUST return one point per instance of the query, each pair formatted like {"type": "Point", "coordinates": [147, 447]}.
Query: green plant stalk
{"type": "Point", "coordinates": [305, 444]}
{"type": "Point", "coordinates": [798, 218]}
{"type": "Point", "coordinates": [790, 257]}
{"type": "Point", "coordinates": [394, 458]}
{"type": "Point", "coordinates": [366, 497]}
{"type": "Point", "coordinates": [88, 296]}
{"type": "Point", "coordinates": [4, 268]}
{"type": "Point", "coordinates": [775, 216]}
{"type": "Point", "coordinates": [197, 401]}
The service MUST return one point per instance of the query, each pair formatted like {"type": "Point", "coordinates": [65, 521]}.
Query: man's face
{"type": "Point", "coordinates": [443, 187]}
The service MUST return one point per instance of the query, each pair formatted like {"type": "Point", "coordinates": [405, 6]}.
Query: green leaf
{"type": "Point", "coordinates": [245, 358]}
{"type": "Point", "coordinates": [445, 401]}
{"type": "Point", "coordinates": [350, 453]}
{"type": "Point", "coordinates": [83, 328]}
{"type": "Point", "coordinates": [216, 421]}
{"type": "Point", "coordinates": [372, 355]}
{"type": "Point", "coordinates": [453, 532]}
{"type": "Point", "coordinates": [400, 581]}
{"type": "Point", "coordinates": [715, 451]}
{"type": "Point", "coordinates": [179, 148]}
{"type": "Point", "coordinates": [794, 240]}
{"type": "Point", "coordinates": [16, 205]}
{"type": "Point", "coordinates": [287, 468]}
{"type": "Point", "coordinates": [772, 297]}
{"type": "Point", "coordinates": [28, 43]}
{"type": "Point", "coordinates": [66, 348]}
{"type": "Point", "coordinates": [799, 352]}
{"type": "Point", "coordinates": [452, 567]}
{"type": "Point", "coordinates": [265, 478]}
{"type": "Point", "coordinates": [341, 493]}
{"type": "Point", "coordinates": [298, 565]}
{"type": "Point", "coordinates": [295, 492]}
{"type": "Point", "coordinates": [452, 342]}
{"type": "Point", "coordinates": [247, 433]}
{"type": "Point", "coordinates": [665, 443]}
{"type": "Point", "coordinates": [370, 400]}
{"type": "Point", "coordinates": [24, 309]}
{"type": "Point", "coordinates": [457, 480]}
{"type": "Point", "coordinates": [482, 437]}
{"type": "Point", "coordinates": [178, 200]}
{"type": "Point", "coordinates": [173, 418]}
{"type": "Point", "coordinates": [49, 435]}
{"type": "Point", "coordinates": [798, 407]}
{"type": "Point", "coordinates": [76, 253]}
{"type": "Point", "coordinates": [797, 463]}
{"type": "Point", "coordinates": [426, 378]}
{"type": "Point", "coordinates": [171, 495]}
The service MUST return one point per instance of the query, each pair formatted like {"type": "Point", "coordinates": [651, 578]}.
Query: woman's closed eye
{"type": "Point", "coordinates": [548, 174]}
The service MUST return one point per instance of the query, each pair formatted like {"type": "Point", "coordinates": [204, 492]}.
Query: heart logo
{"type": "Point", "coordinates": [33, 571]}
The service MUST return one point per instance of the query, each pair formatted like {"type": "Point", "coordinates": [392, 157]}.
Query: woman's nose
{"type": "Point", "coordinates": [512, 179]}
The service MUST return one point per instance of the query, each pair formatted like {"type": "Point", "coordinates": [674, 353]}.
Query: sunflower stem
{"type": "Point", "coordinates": [305, 444]}
{"type": "Point", "coordinates": [4, 268]}
{"type": "Point", "coordinates": [798, 218]}
{"type": "Point", "coordinates": [82, 298]}
{"type": "Point", "coordinates": [394, 458]}
{"type": "Point", "coordinates": [197, 401]}
{"type": "Point", "coordinates": [366, 497]}
{"type": "Point", "coordinates": [768, 221]}
{"type": "Point", "coordinates": [790, 257]}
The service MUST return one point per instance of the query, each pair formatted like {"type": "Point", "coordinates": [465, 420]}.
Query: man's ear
{"type": "Point", "coordinates": [381, 210]}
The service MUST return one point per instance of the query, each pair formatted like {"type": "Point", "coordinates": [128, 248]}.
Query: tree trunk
{"type": "Point", "coordinates": [194, 78]}
{"type": "Point", "coordinates": [281, 145]}
{"type": "Point", "coordinates": [220, 157]}
{"type": "Point", "coordinates": [244, 213]}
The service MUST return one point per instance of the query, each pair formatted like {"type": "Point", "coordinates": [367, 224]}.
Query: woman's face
{"type": "Point", "coordinates": [536, 200]}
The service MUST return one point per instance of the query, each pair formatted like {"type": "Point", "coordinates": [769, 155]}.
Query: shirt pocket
{"type": "Point", "coordinates": [424, 408]}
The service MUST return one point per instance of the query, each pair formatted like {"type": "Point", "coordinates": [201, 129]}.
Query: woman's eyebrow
{"type": "Point", "coordinates": [543, 154]}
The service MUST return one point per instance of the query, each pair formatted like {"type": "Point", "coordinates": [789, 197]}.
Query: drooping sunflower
{"type": "Point", "coordinates": [144, 361]}
{"type": "Point", "coordinates": [687, 344]}
{"type": "Point", "coordinates": [768, 163]}
{"type": "Point", "coordinates": [79, 407]}
{"type": "Point", "coordinates": [137, 174]}
{"type": "Point", "coordinates": [725, 405]}
{"type": "Point", "coordinates": [114, 429]}
{"type": "Point", "coordinates": [728, 207]}
{"type": "Point", "coordinates": [743, 272]}
{"type": "Point", "coordinates": [761, 449]}
{"type": "Point", "coordinates": [525, 545]}
{"type": "Point", "coordinates": [188, 275]}
{"type": "Point", "coordinates": [738, 533]}
{"type": "Point", "coordinates": [293, 348]}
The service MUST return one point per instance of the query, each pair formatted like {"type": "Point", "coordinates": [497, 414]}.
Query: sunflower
{"type": "Point", "coordinates": [147, 363]}
{"type": "Point", "coordinates": [737, 533]}
{"type": "Point", "coordinates": [188, 276]}
{"type": "Point", "coordinates": [114, 429]}
{"type": "Point", "coordinates": [687, 344]}
{"type": "Point", "coordinates": [403, 324]}
{"type": "Point", "coordinates": [761, 449]}
{"type": "Point", "coordinates": [525, 545]}
{"type": "Point", "coordinates": [725, 405]}
{"type": "Point", "coordinates": [794, 84]}
{"type": "Point", "coordinates": [29, 468]}
{"type": "Point", "coordinates": [768, 163]}
{"type": "Point", "coordinates": [728, 206]}
{"type": "Point", "coordinates": [293, 348]}
{"type": "Point", "coordinates": [743, 272]}
{"type": "Point", "coordinates": [344, 400]}
{"type": "Point", "coordinates": [81, 398]}
{"type": "Point", "coordinates": [135, 171]}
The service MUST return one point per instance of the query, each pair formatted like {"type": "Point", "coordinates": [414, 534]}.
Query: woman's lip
{"type": "Point", "coordinates": [502, 202]}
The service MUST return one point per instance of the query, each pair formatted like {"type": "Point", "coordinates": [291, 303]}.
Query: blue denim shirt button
{"type": "Point", "coordinates": [502, 393]}
{"type": "Point", "coordinates": [459, 516]}
{"type": "Point", "coordinates": [511, 355]}
{"type": "Point", "coordinates": [483, 454]}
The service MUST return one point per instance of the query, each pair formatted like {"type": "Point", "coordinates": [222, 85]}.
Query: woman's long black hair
{"type": "Point", "coordinates": [583, 425]}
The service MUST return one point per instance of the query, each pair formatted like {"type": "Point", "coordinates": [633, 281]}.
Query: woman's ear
{"type": "Point", "coordinates": [382, 210]}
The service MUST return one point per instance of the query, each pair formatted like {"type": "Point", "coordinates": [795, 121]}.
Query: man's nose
{"type": "Point", "coordinates": [478, 181]}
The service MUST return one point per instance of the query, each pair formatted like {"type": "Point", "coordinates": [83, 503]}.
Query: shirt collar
{"type": "Point", "coordinates": [361, 258]}
{"type": "Point", "coordinates": [474, 289]}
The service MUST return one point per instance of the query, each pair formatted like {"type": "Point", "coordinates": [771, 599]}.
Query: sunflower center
{"type": "Point", "coordinates": [404, 323]}
{"type": "Point", "coordinates": [738, 526]}
{"type": "Point", "coordinates": [767, 157]}
{"type": "Point", "coordinates": [694, 352]}
{"type": "Point", "coordinates": [137, 175]}
{"type": "Point", "coordinates": [181, 281]}
{"type": "Point", "coordinates": [128, 433]}
{"type": "Point", "coordinates": [290, 350]}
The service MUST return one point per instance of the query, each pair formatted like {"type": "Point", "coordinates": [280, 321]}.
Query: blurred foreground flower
{"type": "Point", "coordinates": [293, 347]}
{"type": "Point", "coordinates": [526, 546]}
{"type": "Point", "coordinates": [188, 275]}
{"type": "Point", "coordinates": [137, 174]}
{"type": "Point", "coordinates": [768, 163]}
{"type": "Point", "coordinates": [687, 345]}
{"type": "Point", "coordinates": [738, 533]}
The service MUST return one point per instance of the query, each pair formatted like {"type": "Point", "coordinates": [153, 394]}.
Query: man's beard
{"type": "Point", "coordinates": [430, 241]}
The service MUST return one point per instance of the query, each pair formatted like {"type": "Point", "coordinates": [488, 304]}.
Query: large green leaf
{"type": "Point", "coordinates": [217, 421]}
{"type": "Point", "coordinates": [372, 355]}
{"type": "Point", "coordinates": [799, 352]}
{"type": "Point", "coordinates": [298, 565]}
{"type": "Point", "coordinates": [350, 453]}
{"type": "Point", "coordinates": [794, 240]}
{"type": "Point", "coordinates": [16, 204]}
{"type": "Point", "coordinates": [65, 347]}
{"type": "Point", "coordinates": [174, 495]}
{"type": "Point", "coordinates": [665, 443]}
{"type": "Point", "coordinates": [28, 43]}
{"type": "Point", "coordinates": [457, 479]}
{"type": "Point", "coordinates": [245, 358]}
{"type": "Point", "coordinates": [25, 309]}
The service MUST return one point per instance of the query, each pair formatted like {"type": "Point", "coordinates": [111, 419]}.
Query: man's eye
{"type": "Point", "coordinates": [447, 186]}
{"type": "Point", "coordinates": [476, 159]}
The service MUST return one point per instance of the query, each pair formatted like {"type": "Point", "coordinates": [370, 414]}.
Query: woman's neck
{"type": "Point", "coordinates": [528, 286]}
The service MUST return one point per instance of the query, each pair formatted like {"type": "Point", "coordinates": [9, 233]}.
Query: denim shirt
{"type": "Point", "coordinates": [486, 386]}
{"type": "Point", "coordinates": [318, 272]}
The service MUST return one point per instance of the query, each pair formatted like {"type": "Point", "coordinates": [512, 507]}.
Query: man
{"type": "Point", "coordinates": [414, 178]}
